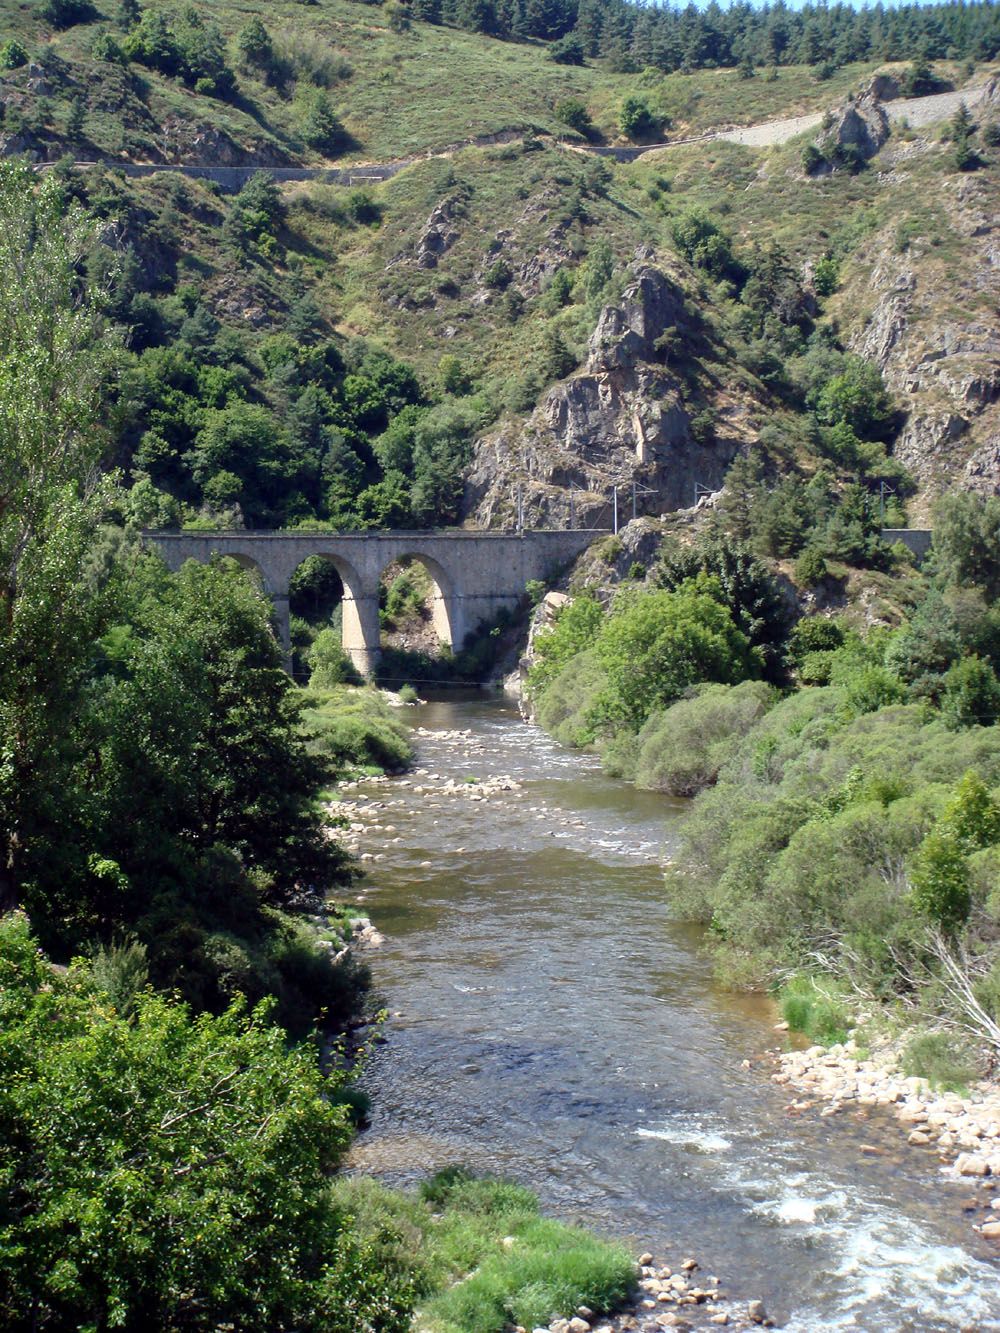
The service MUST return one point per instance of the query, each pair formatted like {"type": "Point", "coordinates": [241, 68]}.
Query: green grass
{"type": "Point", "coordinates": [480, 1257]}
{"type": "Point", "coordinates": [397, 93]}
{"type": "Point", "coordinates": [943, 1059]}
{"type": "Point", "coordinates": [811, 1008]}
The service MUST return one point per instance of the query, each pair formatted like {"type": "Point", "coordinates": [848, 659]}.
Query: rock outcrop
{"type": "Point", "coordinates": [944, 372]}
{"type": "Point", "coordinates": [622, 421]}
{"type": "Point", "coordinates": [855, 131]}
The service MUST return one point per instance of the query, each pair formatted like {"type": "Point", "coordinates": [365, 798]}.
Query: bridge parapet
{"type": "Point", "coordinates": [476, 574]}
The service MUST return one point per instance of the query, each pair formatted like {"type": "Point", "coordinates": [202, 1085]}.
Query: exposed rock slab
{"type": "Point", "coordinates": [622, 420]}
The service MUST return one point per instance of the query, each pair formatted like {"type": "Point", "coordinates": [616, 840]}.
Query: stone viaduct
{"type": "Point", "coordinates": [476, 575]}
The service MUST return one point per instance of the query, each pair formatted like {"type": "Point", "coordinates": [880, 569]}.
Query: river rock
{"type": "Point", "coordinates": [578, 1325]}
{"type": "Point", "coordinates": [970, 1164]}
{"type": "Point", "coordinates": [756, 1312]}
{"type": "Point", "coordinates": [991, 1230]}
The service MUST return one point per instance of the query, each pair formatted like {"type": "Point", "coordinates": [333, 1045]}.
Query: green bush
{"type": "Point", "coordinates": [814, 634]}
{"type": "Point", "coordinates": [573, 113]}
{"type": "Point", "coordinates": [565, 706]}
{"type": "Point", "coordinates": [680, 751]}
{"type": "Point", "coordinates": [12, 54]}
{"type": "Point", "coordinates": [942, 1058]}
{"type": "Point", "coordinates": [809, 1008]}
{"type": "Point", "coordinates": [66, 13]}
{"type": "Point", "coordinates": [636, 119]}
{"type": "Point", "coordinates": [356, 729]}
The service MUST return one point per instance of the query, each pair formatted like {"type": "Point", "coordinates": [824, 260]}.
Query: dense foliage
{"type": "Point", "coordinates": [160, 1171]}
{"type": "Point", "coordinates": [154, 779]}
{"type": "Point", "coordinates": [633, 37]}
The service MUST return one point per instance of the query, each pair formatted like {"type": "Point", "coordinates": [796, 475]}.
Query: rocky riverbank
{"type": "Point", "coordinates": [667, 1299]}
{"type": "Point", "coordinates": [964, 1131]}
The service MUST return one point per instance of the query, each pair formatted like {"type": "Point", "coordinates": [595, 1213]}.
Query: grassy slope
{"type": "Point", "coordinates": [409, 92]}
{"type": "Point", "coordinates": [432, 87]}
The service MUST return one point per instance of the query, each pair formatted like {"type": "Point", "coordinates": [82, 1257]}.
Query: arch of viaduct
{"type": "Point", "coordinates": [477, 574]}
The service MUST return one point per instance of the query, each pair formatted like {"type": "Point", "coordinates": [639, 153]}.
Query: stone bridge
{"type": "Point", "coordinates": [476, 575]}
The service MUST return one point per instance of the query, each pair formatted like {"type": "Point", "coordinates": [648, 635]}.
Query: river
{"type": "Point", "coordinates": [552, 1023]}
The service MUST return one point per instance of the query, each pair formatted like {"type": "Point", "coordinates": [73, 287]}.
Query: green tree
{"type": "Point", "coordinates": [55, 357]}
{"type": "Point", "coordinates": [857, 397]}
{"type": "Point", "coordinates": [75, 119]}
{"type": "Point", "coordinates": [637, 121]}
{"type": "Point", "coordinates": [971, 694]}
{"type": "Point", "coordinates": [163, 1172]}
{"type": "Point", "coordinates": [200, 748]}
{"type": "Point", "coordinates": [972, 815]}
{"type": "Point", "coordinates": [318, 125]}
{"type": "Point", "coordinates": [655, 644]}
{"type": "Point", "coordinates": [254, 42]}
{"type": "Point", "coordinates": [703, 243]}
{"type": "Point", "coordinates": [967, 541]}
{"type": "Point", "coordinates": [940, 882]}
{"type": "Point", "coordinates": [575, 628]}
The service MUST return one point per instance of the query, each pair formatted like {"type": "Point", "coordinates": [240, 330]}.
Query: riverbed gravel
{"type": "Point", "coordinates": [963, 1131]}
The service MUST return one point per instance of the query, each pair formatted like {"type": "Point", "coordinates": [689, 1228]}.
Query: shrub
{"type": "Point", "coordinates": [356, 729]}
{"type": "Point", "coordinates": [681, 750]}
{"type": "Point", "coordinates": [810, 568]}
{"type": "Point", "coordinates": [65, 13]}
{"type": "Point", "coordinates": [573, 113]}
{"type": "Point", "coordinates": [636, 119]}
{"type": "Point", "coordinates": [814, 634]}
{"type": "Point", "coordinates": [567, 51]}
{"type": "Point", "coordinates": [12, 54]}
{"type": "Point", "coordinates": [565, 706]}
{"type": "Point", "coordinates": [812, 159]}
{"type": "Point", "coordinates": [806, 1007]}
{"type": "Point", "coordinates": [943, 1059]}
{"type": "Point", "coordinates": [826, 275]}
{"type": "Point", "coordinates": [107, 48]}
{"type": "Point", "coordinates": [329, 665]}
{"type": "Point", "coordinates": [703, 243]}
{"type": "Point", "coordinates": [498, 275]}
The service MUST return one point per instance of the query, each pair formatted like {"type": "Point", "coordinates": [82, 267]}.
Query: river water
{"type": "Point", "coordinates": [552, 1023]}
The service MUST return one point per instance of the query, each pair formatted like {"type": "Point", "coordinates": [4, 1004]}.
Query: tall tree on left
{"type": "Point", "coordinates": [57, 359]}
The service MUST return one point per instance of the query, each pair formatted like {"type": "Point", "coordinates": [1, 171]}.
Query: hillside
{"type": "Point", "coordinates": [522, 313]}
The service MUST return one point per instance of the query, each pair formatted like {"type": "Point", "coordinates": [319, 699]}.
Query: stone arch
{"type": "Point", "coordinates": [253, 566]}
{"type": "Point", "coordinates": [359, 632]}
{"type": "Point", "coordinates": [446, 616]}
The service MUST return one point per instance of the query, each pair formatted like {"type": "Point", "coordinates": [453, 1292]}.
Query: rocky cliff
{"type": "Point", "coordinates": [625, 420]}
{"type": "Point", "coordinates": [934, 332]}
